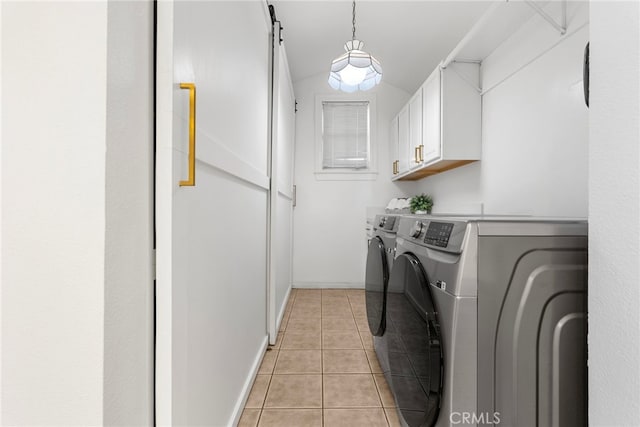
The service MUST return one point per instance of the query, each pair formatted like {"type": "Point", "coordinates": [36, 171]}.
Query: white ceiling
{"type": "Point", "coordinates": [409, 38]}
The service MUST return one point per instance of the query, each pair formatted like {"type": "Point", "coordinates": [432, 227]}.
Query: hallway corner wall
{"type": "Point", "coordinates": [128, 283]}
{"type": "Point", "coordinates": [54, 69]}
{"type": "Point", "coordinates": [614, 214]}
{"type": "Point", "coordinates": [76, 205]}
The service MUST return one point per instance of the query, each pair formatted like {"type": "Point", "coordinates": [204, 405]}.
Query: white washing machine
{"type": "Point", "coordinates": [485, 322]}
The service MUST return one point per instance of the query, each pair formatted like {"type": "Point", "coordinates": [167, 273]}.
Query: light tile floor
{"type": "Point", "coordinates": [323, 370]}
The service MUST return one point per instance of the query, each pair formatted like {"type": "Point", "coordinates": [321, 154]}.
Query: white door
{"type": "Point", "coordinates": [281, 219]}
{"type": "Point", "coordinates": [211, 315]}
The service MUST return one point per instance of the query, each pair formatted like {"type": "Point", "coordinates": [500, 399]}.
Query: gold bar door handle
{"type": "Point", "coordinates": [415, 154]}
{"type": "Point", "coordinates": [191, 181]}
{"type": "Point", "coordinates": [421, 150]}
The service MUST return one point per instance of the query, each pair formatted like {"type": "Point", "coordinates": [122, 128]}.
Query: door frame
{"type": "Point", "coordinates": [163, 211]}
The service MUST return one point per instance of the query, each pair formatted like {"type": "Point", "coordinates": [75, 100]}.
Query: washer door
{"type": "Point", "coordinates": [377, 277]}
{"type": "Point", "coordinates": [414, 343]}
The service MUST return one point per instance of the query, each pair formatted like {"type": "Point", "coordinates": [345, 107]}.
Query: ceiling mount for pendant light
{"type": "Point", "coordinates": [355, 69]}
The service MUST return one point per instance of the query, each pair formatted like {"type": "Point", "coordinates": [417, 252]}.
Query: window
{"type": "Point", "coordinates": [345, 135]}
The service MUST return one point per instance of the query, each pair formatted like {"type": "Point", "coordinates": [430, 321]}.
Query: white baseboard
{"type": "Point", "coordinates": [281, 315]}
{"type": "Point", "coordinates": [328, 285]}
{"type": "Point", "coordinates": [248, 384]}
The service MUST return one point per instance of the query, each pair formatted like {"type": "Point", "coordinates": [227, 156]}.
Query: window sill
{"type": "Point", "coordinates": [346, 176]}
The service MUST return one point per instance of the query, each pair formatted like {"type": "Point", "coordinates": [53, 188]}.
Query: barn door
{"type": "Point", "coordinates": [281, 202]}
{"type": "Point", "coordinates": [212, 200]}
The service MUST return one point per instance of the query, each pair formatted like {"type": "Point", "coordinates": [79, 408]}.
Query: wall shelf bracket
{"type": "Point", "coordinates": [560, 27]}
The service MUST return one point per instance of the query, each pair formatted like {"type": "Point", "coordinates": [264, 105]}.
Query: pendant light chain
{"type": "Point", "coordinates": [353, 36]}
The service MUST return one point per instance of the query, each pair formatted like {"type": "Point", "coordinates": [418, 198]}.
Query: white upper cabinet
{"type": "Point", "coordinates": [440, 127]}
{"type": "Point", "coordinates": [444, 128]}
{"type": "Point", "coordinates": [403, 140]}
{"type": "Point", "coordinates": [393, 147]}
{"type": "Point", "coordinates": [415, 130]}
{"type": "Point", "coordinates": [431, 118]}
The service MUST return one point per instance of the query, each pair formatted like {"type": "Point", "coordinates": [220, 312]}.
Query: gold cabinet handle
{"type": "Point", "coordinates": [415, 154]}
{"type": "Point", "coordinates": [191, 181]}
{"type": "Point", "coordinates": [421, 151]}
{"type": "Point", "coordinates": [397, 163]}
{"type": "Point", "coordinates": [395, 167]}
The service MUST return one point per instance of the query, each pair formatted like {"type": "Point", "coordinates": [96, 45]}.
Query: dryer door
{"type": "Point", "coordinates": [413, 337]}
{"type": "Point", "coordinates": [377, 277]}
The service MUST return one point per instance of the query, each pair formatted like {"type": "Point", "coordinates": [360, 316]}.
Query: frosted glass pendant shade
{"type": "Point", "coordinates": [355, 69]}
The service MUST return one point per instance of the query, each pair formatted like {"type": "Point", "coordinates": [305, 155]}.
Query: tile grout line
{"type": "Point", "coordinates": [321, 362]}
{"type": "Point", "coordinates": [264, 402]}
{"type": "Point", "coordinates": [381, 402]}
{"type": "Point", "coordinates": [384, 412]}
{"type": "Point", "coordinates": [375, 383]}
{"type": "Point", "coordinates": [273, 371]}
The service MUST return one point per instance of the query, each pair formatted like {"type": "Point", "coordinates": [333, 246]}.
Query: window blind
{"type": "Point", "coordinates": [345, 135]}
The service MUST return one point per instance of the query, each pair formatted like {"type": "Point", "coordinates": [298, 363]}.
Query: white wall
{"type": "Point", "coordinates": [534, 126]}
{"type": "Point", "coordinates": [54, 97]}
{"type": "Point", "coordinates": [614, 215]}
{"type": "Point", "coordinates": [330, 216]}
{"type": "Point", "coordinates": [128, 294]}
{"type": "Point", "coordinates": [76, 213]}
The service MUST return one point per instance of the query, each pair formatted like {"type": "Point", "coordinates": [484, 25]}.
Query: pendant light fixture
{"type": "Point", "coordinates": [355, 69]}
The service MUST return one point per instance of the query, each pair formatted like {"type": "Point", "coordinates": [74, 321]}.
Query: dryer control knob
{"type": "Point", "coordinates": [417, 229]}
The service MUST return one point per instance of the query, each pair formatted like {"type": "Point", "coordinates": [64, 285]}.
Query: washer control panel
{"type": "Point", "coordinates": [442, 234]}
{"type": "Point", "coordinates": [438, 234]}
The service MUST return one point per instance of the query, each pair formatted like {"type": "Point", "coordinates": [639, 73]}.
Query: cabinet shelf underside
{"type": "Point", "coordinates": [438, 167]}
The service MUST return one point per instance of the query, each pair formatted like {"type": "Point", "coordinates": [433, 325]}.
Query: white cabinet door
{"type": "Point", "coordinates": [403, 140]}
{"type": "Point", "coordinates": [431, 136]}
{"type": "Point", "coordinates": [211, 237]}
{"type": "Point", "coordinates": [393, 147]}
{"type": "Point", "coordinates": [415, 130]}
{"type": "Point", "coordinates": [444, 123]}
